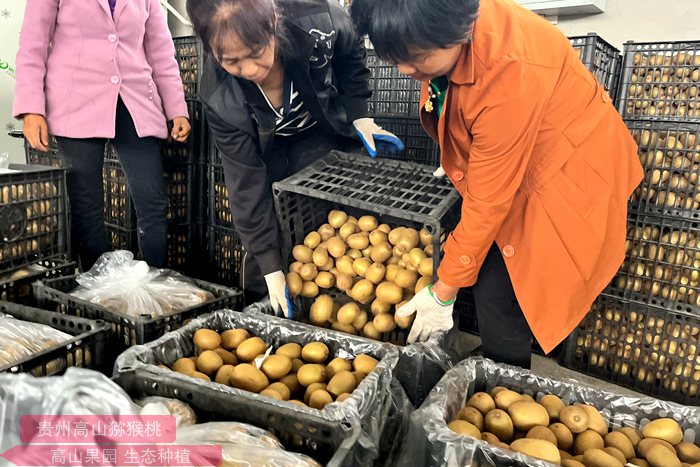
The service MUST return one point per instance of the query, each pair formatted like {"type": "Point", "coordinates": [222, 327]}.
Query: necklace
{"type": "Point", "coordinates": [434, 92]}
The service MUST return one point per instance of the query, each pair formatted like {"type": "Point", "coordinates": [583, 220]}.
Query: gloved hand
{"type": "Point", "coordinates": [431, 315]}
{"type": "Point", "coordinates": [279, 295]}
{"type": "Point", "coordinates": [375, 139]}
{"type": "Point", "coordinates": [440, 172]}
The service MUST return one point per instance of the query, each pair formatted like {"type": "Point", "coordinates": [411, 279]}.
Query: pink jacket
{"type": "Point", "coordinates": [74, 61]}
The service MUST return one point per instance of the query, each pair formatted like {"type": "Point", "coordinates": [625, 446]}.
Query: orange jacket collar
{"type": "Point", "coordinates": [463, 72]}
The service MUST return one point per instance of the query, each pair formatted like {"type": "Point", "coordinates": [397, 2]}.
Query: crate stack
{"type": "Point", "coordinates": [644, 333]}
{"type": "Point", "coordinates": [395, 106]}
{"type": "Point", "coordinates": [34, 234]}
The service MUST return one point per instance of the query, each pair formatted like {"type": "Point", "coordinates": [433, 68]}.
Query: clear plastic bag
{"type": "Point", "coordinates": [127, 286]}
{"type": "Point", "coordinates": [243, 445]}
{"type": "Point", "coordinates": [20, 339]}
{"type": "Point", "coordinates": [183, 413]}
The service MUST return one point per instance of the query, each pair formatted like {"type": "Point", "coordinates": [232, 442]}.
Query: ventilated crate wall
{"type": "Point", "coordinates": [33, 216]}
{"type": "Point", "coordinates": [661, 80]}
{"type": "Point", "coordinates": [189, 56]}
{"type": "Point", "coordinates": [645, 348]}
{"type": "Point", "coordinates": [50, 159]}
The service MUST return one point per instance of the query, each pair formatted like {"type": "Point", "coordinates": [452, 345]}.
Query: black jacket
{"type": "Point", "coordinates": [333, 81]}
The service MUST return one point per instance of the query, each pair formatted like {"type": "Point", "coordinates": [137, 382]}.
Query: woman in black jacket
{"type": "Point", "coordinates": [285, 83]}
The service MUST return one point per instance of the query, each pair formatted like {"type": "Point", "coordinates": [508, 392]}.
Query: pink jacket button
{"type": "Point", "coordinates": [114, 79]}
{"type": "Point", "coordinates": [508, 251]}
{"type": "Point", "coordinates": [112, 38]}
{"type": "Point", "coordinates": [458, 175]}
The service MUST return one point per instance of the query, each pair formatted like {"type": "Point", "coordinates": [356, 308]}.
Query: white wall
{"type": "Point", "coordinates": [11, 13]}
{"type": "Point", "coordinates": [639, 20]}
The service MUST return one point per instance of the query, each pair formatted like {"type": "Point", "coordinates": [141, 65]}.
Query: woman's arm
{"type": "Point", "coordinates": [160, 53]}
{"type": "Point", "coordinates": [34, 39]}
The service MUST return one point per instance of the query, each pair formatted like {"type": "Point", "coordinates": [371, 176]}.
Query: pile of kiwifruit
{"type": "Point", "coordinates": [302, 375]}
{"type": "Point", "coordinates": [373, 269]}
{"type": "Point", "coordinates": [570, 435]}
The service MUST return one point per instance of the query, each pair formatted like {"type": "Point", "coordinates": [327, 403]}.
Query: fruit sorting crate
{"type": "Point", "coordinates": [661, 263]}
{"type": "Point", "coordinates": [181, 247]}
{"type": "Point", "coordinates": [16, 286]}
{"type": "Point", "coordinates": [419, 147]}
{"type": "Point", "coordinates": [49, 159]}
{"type": "Point", "coordinates": [393, 94]}
{"type": "Point", "coordinates": [601, 59]}
{"type": "Point", "coordinates": [431, 443]}
{"type": "Point", "coordinates": [138, 373]}
{"type": "Point", "coordinates": [670, 154]}
{"type": "Point", "coordinates": [219, 209]}
{"type": "Point", "coordinates": [397, 193]}
{"type": "Point", "coordinates": [127, 330]}
{"type": "Point", "coordinates": [189, 56]}
{"type": "Point", "coordinates": [225, 255]}
{"type": "Point", "coordinates": [661, 80]}
{"type": "Point", "coordinates": [645, 348]}
{"type": "Point", "coordinates": [179, 185]}
{"type": "Point", "coordinates": [118, 205]}
{"type": "Point", "coordinates": [119, 238]}
{"type": "Point", "coordinates": [33, 215]}
{"type": "Point", "coordinates": [86, 349]}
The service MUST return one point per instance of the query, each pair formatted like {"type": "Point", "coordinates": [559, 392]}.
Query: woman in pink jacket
{"type": "Point", "coordinates": [93, 70]}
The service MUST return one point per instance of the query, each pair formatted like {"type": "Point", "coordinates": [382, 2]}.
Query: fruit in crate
{"type": "Point", "coordinates": [304, 374]}
{"type": "Point", "coordinates": [360, 272]}
{"type": "Point", "coordinates": [571, 435]}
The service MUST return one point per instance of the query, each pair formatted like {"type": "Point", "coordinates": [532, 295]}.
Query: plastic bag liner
{"type": "Point", "coordinates": [431, 443]}
{"type": "Point", "coordinates": [123, 285]}
{"type": "Point", "coordinates": [243, 444]}
{"type": "Point", "coordinates": [369, 405]}
{"type": "Point", "coordinates": [21, 339]}
{"type": "Point", "coordinates": [77, 392]}
{"type": "Point", "coordinates": [420, 366]}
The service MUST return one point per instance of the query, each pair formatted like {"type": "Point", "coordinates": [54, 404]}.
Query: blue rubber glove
{"type": "Point", "coordinates": [290, 303]}
{"type": "Point", "coordinates": [375, 139]}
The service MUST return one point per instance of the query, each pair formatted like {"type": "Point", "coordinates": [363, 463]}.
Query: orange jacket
{"type": "Point", "coordinates": [544, 164]}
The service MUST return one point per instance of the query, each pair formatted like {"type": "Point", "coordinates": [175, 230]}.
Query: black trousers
{"type": "Point", "coordinates": [141, 158]}
{"type": "Point", "coordinates": [287, 156]}
{"type": "Point", "coordinates": [505, 335]}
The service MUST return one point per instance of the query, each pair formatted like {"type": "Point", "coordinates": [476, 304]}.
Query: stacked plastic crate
{"type": "Point", "coordinates": [645, 333]}
{"type": "Point", "coordinates": [395, 106]}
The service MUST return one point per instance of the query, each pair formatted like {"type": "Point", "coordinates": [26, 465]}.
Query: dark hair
{"type": "Point", "coordinates": [255, 22]}
{"type": "Point", "coordinates": [399, 29]}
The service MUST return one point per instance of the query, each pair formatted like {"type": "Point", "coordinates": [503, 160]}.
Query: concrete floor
{"type": "Point", "coordinates": [550, 368]}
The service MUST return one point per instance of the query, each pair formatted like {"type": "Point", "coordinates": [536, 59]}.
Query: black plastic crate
{"type": "Point", "coordinates": [119, 238]}
{"type": "Point", "coordinates": [225, 255]}
{"type": "Point", "coordinates": [670, 154]}
{"type": "Point", "coordinates": [49, 159]}
{"type": "Point", "coordinates": [393, 94]}
{"type": "Point", "coordinates": [645, 348]}
{"type": "Point", "coordinates": [137, 372]}
{"type": "Point", "coordinates": [179, 185]}
{"type": "Point", "coordinates": [661, 263]}
{"type": "Point", "coordinates": [188, 152]}
{"type": "Point", "coordinates": [661, 80]}
{"type": "Point", "coordinates": [189, 56]}
{"type": "Point", "coordinates": [397, 193]}
{"type": "Point", "coordinates": [33, 215]}
{"type": "Point", "coordinates": [16, 286]}
{"type": "Point", "coordinates": [219, 210]}
{"type": "Point", "coordinates": [87, 349]}
{"type": "Point", "coordinates": [118, 205]}
{"type": "Point", "coordinates": [419, 147]}
{"type": "Point", "coordinates": [182, 247]}
{"type": "Point", "coordinates": [601, 59]}
{"type": "Point", "coordinates": [54, 294]}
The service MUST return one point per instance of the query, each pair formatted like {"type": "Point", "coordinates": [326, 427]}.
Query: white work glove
{"type": "Point", "coordinates": [440, 172]}
{"type": "Point", "coordinates": [375, 138]}
{"type": "Point", "coordinates": [431, 315]}
{"type": "Point", "coordinates": [277, 290]}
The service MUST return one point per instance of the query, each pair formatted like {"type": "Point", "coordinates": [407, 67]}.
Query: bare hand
{"type": "Point", "coordinates": [181, 129]}
{"type": "Point", "coordinates": [36, 130]}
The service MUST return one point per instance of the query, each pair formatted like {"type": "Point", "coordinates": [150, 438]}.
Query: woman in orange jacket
{"type": "Point", "coordinates": [543, 161]}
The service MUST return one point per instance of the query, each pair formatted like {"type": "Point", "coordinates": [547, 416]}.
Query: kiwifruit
{"type": "Point", "coordinates": [596, 422]}
{"type": "Point", "coordinates": [658, 456]}
{"type": "Point", "coordinates": [565, 439]}
{"type": "Point", "coordinates": [575, 418]}
{"type": "Point", "coordinates": [616, 453]}
{"type": "Point", "coordinates": [505, 398]}
{"type": "Point", "coordinates": [542, 432]}
{"type": "Point", "coordinates": [595, 457]}
{"type": "Point", "coordinates": [482, 402]}
{"type": "Point", "coordinates": [589, 439]}
{"type": "Point", "coordinates": [619, 441]}
{"type": "Point", "coordinates": [688, 452]}
{"type": "Point", "coordinates": [464, 428]}
{"type": "Point", "coordinates": [499, 423]}
{"type": "Point", "coordinates": [553, 404]}
{"type": "Point", "coordinates": [490, 437]}
{"type": "Point", "coordinates": [647, 443]}
{"type": "Point", "coordinates": [634, 435]}
{"type": "Point", "coordinates": [473, 416]}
